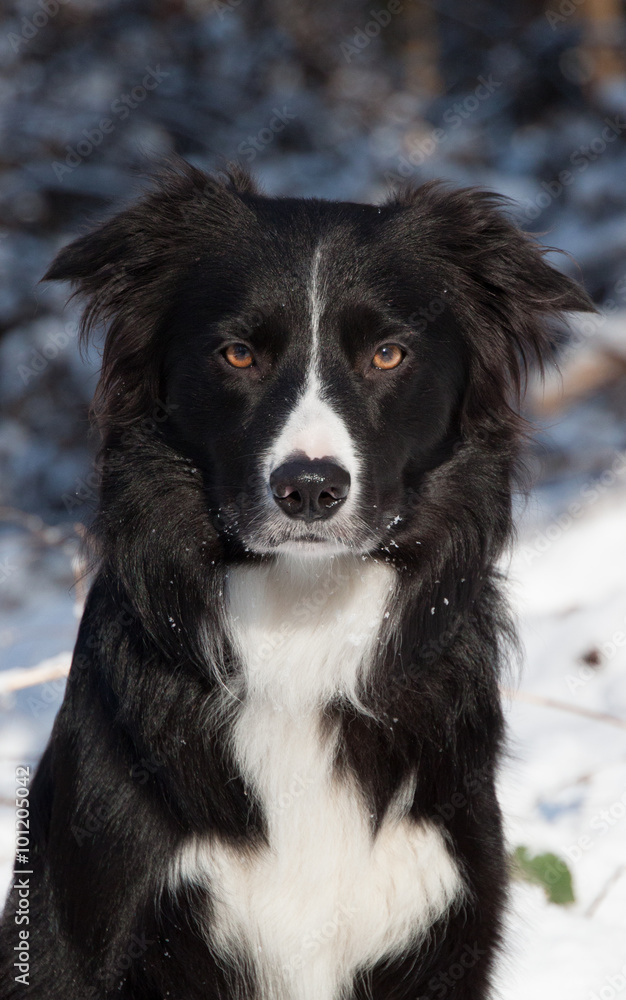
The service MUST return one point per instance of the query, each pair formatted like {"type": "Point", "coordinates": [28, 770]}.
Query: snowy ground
{"type": "Point", "coordinates": [564, 786]}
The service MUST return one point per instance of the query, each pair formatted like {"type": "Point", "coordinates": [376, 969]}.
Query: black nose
{"type": "Point", "coordinates": [310, 489]}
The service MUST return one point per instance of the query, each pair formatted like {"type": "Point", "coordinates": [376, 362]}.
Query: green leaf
{"type": "Point", "coordinates": [547, 870]}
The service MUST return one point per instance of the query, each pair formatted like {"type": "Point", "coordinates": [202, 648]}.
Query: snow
{"type": "Point", "coordinates": [563, 785]}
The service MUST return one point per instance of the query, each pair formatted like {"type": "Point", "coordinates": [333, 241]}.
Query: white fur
{"type": "Point", "coordinates": [314, 427]}
{"type": "Point", "coordinates": [316, 303]}
{"type": "Point", "coordinates": [324, 896]}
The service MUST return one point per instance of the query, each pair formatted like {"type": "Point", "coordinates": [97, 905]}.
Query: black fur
{"type": "Point", "coordinates": [134, 764]}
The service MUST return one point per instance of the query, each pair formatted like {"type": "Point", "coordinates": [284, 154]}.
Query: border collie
{"type": "Point", "coordinates": [272, 775]}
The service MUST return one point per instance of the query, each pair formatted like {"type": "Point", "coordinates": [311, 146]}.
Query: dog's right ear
{"type": "Point", "coordinates": [127, 271]}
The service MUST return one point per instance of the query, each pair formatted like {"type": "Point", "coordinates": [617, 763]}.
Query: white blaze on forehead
{"type": "Point", "coordinates": [314, 427]}
{"type": "Point", "coordinates": [316, 309]}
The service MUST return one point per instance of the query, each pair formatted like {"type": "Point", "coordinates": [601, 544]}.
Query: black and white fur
{"type": "Point", "coordinates": [272, 775]}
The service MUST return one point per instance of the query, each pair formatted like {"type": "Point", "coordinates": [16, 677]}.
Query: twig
{"type": "Point", "coordinates": [47, 533]}
{"type": "Point", "coordinates": [23, 677]}
{"type": "Point", "coordinates": [563, 706]}
{"type": "Point", "coordinates": [604, 891]}
{"type": "Point", "coordinates": [587, 775]}
{"type": "Point", "coordinates": [58, 666]}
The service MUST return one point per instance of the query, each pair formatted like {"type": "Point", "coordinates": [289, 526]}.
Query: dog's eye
{"type": "Point", "coordinates": [388, 356]}
{"type": "Point", "coordinates": [239, 356]}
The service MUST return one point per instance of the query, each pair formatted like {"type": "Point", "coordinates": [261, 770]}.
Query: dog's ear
{"type": "Point", "coordinates": [507, 298]}
{"type": "Point", "coordinates": [127, 271]}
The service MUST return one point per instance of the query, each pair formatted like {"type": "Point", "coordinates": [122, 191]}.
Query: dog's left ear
{"type": "Point", "coordinates": [507, 298]}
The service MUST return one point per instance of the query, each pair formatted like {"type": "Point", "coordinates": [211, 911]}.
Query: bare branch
{"type": "Point", "coordinates": [563, 706]}
{"type": "Point", "coordinates": [23, 677]}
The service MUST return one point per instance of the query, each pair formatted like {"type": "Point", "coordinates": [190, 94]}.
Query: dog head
{"type": "Point", "coordinates": [322, 362]}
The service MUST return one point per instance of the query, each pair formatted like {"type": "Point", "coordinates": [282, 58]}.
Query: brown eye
{"type": "Point", "coordinates": [239, 356]}
{"type": "Point", "coordinates": [388, 356]}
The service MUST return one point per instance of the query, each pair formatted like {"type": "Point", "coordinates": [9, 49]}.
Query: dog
{"type": "Point", "coordinates": [272, 774]}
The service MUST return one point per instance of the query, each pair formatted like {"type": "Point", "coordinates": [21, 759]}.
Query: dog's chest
{"type": "Point", "coordinates": [324, 896]}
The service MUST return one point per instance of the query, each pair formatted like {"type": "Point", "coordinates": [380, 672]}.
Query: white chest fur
{"type": "Point", "coordinates": [324, 897]}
